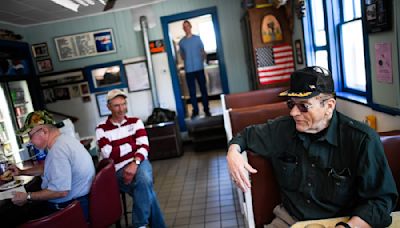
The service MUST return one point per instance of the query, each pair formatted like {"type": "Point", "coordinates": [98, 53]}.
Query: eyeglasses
{"type": "Point", "coordinates": [32, 134]}
{"type": "Point", "coordinates": [303, 107]}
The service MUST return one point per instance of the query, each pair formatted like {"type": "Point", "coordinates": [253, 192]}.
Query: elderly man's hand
{"type": "Point", "coordinates": [15, 170]}
{"type": "Point", "coordinates": [19, 198]}
{"type": "Point", "coordinates": [237, 168]}
{"type": "Point", "coordinates": [130, 172]}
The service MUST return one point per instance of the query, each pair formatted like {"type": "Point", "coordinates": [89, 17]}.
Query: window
{"type": "Point", "coordinates": [336, 42]}
{"type": "Point", "coordinates": [207, 35]}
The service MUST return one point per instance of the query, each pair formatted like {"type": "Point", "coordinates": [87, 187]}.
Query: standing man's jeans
{"type": "Point", "coordinates": [145, 204]}
{"type": "Point", "coordinates": [191, 83]}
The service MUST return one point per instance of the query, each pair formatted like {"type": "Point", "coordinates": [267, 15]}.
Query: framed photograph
{"type": "Point", "coordinates": [378, 15]}
{"type": "Point", "coordinates": [137, 76]}
{"type": "Point", "coordinates": [40, 50]}
{"type": "Point", "coordinates": [62, 93]}
{"type": "Point", "coordinates": [86, 99]}
{"type": "Point", "coordinates": [106, 76]}
{"type": "Point", "coordinates": [44, 65]}
{"type": "Point", "coordinates": [101, 99]}
{"type": "Point", "coordinates": [75, 90]}
{"type": "Point", "coordinates": [84, 89]}
{"type": "Point", "coordinates": [299, 52]}
{"type": "Point", "coordinates": [48, 95]}
{"type": "Point", "coordinates": [66, 77]}
{"type": "Point", "coordinates": [85, 44]}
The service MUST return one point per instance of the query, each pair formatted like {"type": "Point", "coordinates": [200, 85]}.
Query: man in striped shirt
{"type": "Point", "coordinates": [124, 139]}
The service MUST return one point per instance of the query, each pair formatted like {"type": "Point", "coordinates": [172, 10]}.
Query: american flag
{"type": "Point", "coordinates": [274, 64]}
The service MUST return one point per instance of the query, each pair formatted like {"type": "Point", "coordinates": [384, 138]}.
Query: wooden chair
{"type": "Point", "coordinates": [70, 216]}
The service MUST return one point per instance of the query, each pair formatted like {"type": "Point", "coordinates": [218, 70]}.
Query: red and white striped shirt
{"type": "Point", "coordinates": [122, 142]}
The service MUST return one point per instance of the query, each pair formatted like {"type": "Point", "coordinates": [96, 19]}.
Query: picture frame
{"type": "Point", "coordinates": [75, 90]}
{"type": "Point", "coordinates": [84, 87]}
{"type": "Point", "coordinates": [44, 65]}
{"type": "Point", "coordinates": [137, 76]}
{"type": "Point", "coordinates": [40, 50]}
{"type": "Point", "coordinates": [62, 93]}
{"type": "Point", "coordinates": [62, 78]}
{"type": "Point", "coordinates": [106, 76]}
{"type": "Point", "coordinates": [101, 100]}
{"type": "Point", "coordinates": [85, 44]}
{"type": "Point", "coordinates": [299, 52]}
{"type": "Point", "coordinates": [378, 15]}
{"type": "Point", "coordinates": [86, 99]}
{"type": "Point", "coordinates": [48, 95]}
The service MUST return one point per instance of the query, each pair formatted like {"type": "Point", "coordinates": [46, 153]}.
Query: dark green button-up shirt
{"type": "Point", "coordinates": [344, 172]}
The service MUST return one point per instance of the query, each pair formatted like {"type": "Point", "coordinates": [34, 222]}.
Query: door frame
{"type": "Point", "coordinates": [165, 20]}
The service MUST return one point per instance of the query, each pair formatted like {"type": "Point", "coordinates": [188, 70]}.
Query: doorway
{"type": "Point", "coordinates": [205, 24]}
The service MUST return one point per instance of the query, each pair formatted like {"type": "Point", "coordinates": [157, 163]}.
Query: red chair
{"type": "Point", "coordinates": [104, 200]}
{"type": "Point", "coordinates": [391, 146]}
{"type": "Point", "coordinates": [70, 216]}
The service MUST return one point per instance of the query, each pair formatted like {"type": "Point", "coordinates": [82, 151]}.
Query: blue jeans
{"type": "Point", "coordinates": [191, 78]}
{"type": "Point", "coordinates": [145, 205]}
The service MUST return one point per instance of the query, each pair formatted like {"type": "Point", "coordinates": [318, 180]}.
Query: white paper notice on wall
{"type": "Point", "coordinates": [383, 62]}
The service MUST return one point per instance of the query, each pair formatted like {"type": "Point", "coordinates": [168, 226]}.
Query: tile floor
{"type": "Point", "coordinates": [195, 190]}
{"type": "Point", "coordinates": [214, 105]}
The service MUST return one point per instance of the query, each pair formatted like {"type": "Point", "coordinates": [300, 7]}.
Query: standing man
{"type": "Point", "coordinates": [124, 139]}
{"type": "Point", "coordinates": [193, 54]}
{"type": "Point", "coordinates": [68, 170]}
{"type": "Point", "coordinates": [326, 164]}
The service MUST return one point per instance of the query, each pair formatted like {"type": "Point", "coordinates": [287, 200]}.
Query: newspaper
{"type": "Point", "coordinates": [9, 193]}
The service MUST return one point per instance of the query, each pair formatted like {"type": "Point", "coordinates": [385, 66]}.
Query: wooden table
{"type": "Point", "coordinates": [330, 223]}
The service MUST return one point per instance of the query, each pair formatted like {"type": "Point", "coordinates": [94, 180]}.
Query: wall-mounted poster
{"type": "Point", "coordinates": [271, 29]}
{"type": "Point", "coordinates": [85, 44]}
{"type": "Point", "coordinates": [137, 75]}
{"type": "Point", "coordinates": [383, 62]}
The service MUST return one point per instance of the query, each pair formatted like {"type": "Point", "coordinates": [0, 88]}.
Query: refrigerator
{"type": "Point", "coordinates": [19, 92]}
{"type": "Point", "coordinates": [15, 104]}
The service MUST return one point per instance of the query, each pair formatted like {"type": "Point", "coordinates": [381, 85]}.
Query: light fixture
{"type": "Point", "coordinates": [81, 2]}
{"type": "Point", "coordinates": [74, 4]}
{"type": "Point", "coordinates": [67, 4]}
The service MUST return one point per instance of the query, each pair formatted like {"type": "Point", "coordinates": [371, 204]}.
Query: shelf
{"type": "Point", "coordinates": [20, 104]}
{"type": "Point", "coordinates": [23, 115]}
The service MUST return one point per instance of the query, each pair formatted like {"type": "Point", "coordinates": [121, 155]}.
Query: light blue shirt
{"type": "Point", "coordinates": [68, 167]}
{"type": "Point", "coordinates": [192, 50]}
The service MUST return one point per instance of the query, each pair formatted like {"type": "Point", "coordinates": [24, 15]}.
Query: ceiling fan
{"type": "Point", "coordinates": [109, 5]}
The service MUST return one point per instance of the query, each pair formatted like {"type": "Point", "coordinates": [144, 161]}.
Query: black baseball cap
{"type": "Point", "coordinates": [310, 82]}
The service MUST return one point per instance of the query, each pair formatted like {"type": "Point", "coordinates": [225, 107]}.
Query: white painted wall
{"type": "Point", "coordinates": [384, 122]}
{"type": "Point", "coordinates": [139, 103]}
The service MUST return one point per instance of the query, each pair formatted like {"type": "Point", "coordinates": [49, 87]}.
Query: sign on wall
{"type": "Point", "coordinates": [85, 44]}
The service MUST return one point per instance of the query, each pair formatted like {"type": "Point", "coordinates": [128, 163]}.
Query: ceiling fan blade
{"type": "Point", "coordinates": [109, 5]}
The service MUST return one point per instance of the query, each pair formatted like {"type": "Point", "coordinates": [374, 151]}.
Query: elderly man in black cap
{"type": "Point", "coordinates": [326, 164]}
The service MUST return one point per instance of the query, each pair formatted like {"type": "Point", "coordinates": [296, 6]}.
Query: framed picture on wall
{"type": "Point", "coordinates": [137, 76]}
{"type": "Point", "coordinates": [40, 50]}
{"type": "Point", "coordinates": [84, 89]}
{"type": "Point", "coordinates": [378, 15]}
{"type": "Point", "coordinates": [299, 52]}
{"type": "Point", "coordinates": [106, 76]}
{"type": "Point", "coordinates": [85, 44]}
{"type": "Point", "coordinates": [101, 100]}
{"type": "Point", "coordinates": [62, 93]}
{"type": "Point", "coordinates": [44, 65]}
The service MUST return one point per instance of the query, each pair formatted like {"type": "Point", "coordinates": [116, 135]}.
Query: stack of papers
{"type": "Point", "coordinates": [9, 193]}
